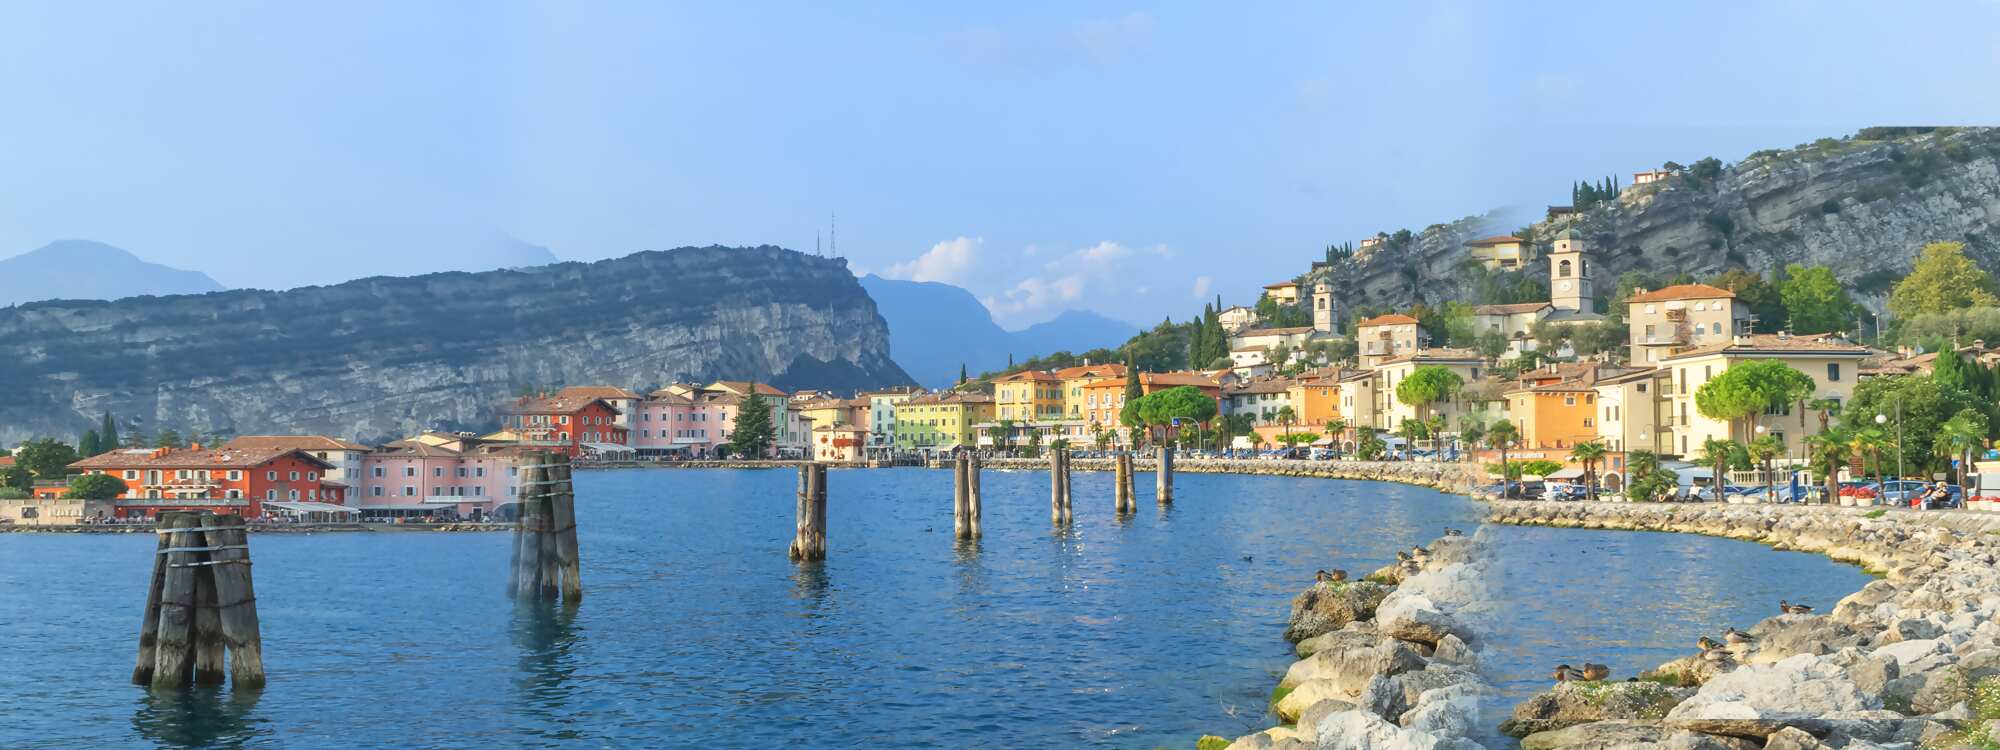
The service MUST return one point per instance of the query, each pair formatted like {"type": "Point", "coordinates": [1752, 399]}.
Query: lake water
{"type": "Point", "coordinates": [1134, 633]}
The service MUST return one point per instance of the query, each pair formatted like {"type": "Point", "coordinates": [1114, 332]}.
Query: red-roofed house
{"type": "Point", "coordinates": [223, 480]}
{"type": "Point", "coordinates": [1682, 316]}
{"type": "Point", "coordinates": [565, 423]}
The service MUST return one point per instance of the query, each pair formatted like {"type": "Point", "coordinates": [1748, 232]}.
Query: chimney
{"type": "Point", "coordinates": [194, 446]}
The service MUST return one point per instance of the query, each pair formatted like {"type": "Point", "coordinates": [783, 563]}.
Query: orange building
{"type": "Point", "coordinates": [565, 423]}
{"type": "Point", "coordinates": [1104, 397]}
{"type": "Point", "coordinates": [1315, 397]}
{"type": "Point", "coordinates": [222, 480]}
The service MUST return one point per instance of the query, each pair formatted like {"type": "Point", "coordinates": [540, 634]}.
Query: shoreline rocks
{"type": "Point", "coordinates": [1385, 665]}
{"type": "Point", "coordinates": [1895, 664]}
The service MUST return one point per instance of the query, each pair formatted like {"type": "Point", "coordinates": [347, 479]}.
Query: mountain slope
{"type": "Point", "coordinates": [1861, 206]}
{"type": "Point", "coordinates": [83, 269]}
{"type": "Point", "coordinates": [935, 327]}
{"type": "Point", "coordinates": [380, 357]}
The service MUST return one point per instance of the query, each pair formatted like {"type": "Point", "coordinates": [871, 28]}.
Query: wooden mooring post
{"type": "Point", "coordinates": [972, 504]}
{"type": "Point", "coordinates": [1121, 483]}
{"type": "Point", "coordinates": [1163, 486]}
{"type": "Point", "coordinates": [200, 605]}
{"type": "Point", "coordinates": [1059, 497]}
{"type": "Point", "coordinates": [810, 543]}
{"type": "Point", "coordinates": [546, 560]}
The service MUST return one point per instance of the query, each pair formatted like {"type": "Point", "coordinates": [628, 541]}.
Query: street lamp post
{"type": "Point", "coordinates": [1882, 418]}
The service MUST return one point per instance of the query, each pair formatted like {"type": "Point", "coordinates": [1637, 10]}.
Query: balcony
{"type": "Point", "coordinates": [1676, 316]}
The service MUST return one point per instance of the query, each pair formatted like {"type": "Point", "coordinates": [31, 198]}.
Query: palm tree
{"type": "Point", "coordinates": [1763, 450]}
{"type": "Point", "coordinates": [1831, 449]}
{"type": "Point", "coordinates": [1716, 452]}
{"type": "Point", "coordinates": [1826, 407]}
{"type": "Point", "coordinates": [1588, 453]}
{"type": "Point", "coordinates": [1958, 436]}
{"type": "Point", "coordinates": [1872, 440]}
{"type": "Point", "coordinates": [1286, 417]}
{"type": "Point", "coordinates": [1334, 427]}
{"type": "Point", "coordinates": [1500, 435]}
{"type": "Point", "coordinates": [1640, 465]}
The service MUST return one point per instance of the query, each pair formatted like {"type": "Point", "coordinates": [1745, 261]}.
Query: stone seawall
{"type": "Point", "coordinates": [1449, 477]}
{"type": "Point", "coordinates": [1912, 660]}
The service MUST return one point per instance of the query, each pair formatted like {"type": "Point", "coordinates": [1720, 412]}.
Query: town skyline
{"type": "Point", "coordinates": [1047, 163]}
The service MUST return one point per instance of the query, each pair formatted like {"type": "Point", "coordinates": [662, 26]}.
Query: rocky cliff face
{"type": "Point", "coordinates": [381, 357]}
{"type": "Point", "coordinates": [1862, 207]}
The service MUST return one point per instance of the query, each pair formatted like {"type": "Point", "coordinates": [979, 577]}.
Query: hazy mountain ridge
{"type": "Point", "coordinates": [935, 327]}
{"type": "Point", "coordinates": [86, 269]}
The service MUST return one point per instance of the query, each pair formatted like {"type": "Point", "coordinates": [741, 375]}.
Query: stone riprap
{"type": "Point", "coordinates": [1451, 477]}
{"type": "Point", "coordinates": [1386, 663]}
{"type": "Point", "coordinates": [1896, 664]}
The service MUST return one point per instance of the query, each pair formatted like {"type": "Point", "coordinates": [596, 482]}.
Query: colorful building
{"type": "Point", "coordinates": [568, 424]}
{"type": "Point", "coordinates": [220, 480]}
{"type": "Point", "coordinates": [839, 443]}
{"type": "Point", "coordinates": [882, 415]}
{"type": "Point", "coordinates": [441, 474]}
{"type": "Point", "coordinates": [1385, 336]}
{"type": "Point", "coordinates": [1830, 361]}
{"type": "Point", "coordinates": [342, 456]}
{"type": "Point", "coordinates": [624, 401]}
{"type": "Point", "coordinates": [1391, 412]}
{"type": "Point", "coordinates": [1683, 316]}
{"type": "Point", "coordinates": [941, 422]}
{"type": "Point", "coordinates": [1504, 252]}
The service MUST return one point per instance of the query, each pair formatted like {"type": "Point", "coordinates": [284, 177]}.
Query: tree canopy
{"type": "Point", "coordinates": [1815, 302]}
{"type": "Point", "coordinates": [754, 431]}
{"type": "Point", "coordinates": [1184, 404]}
{"type": "Point", "coordinates": [1428, 384]}
{"type": "Point", "coordinates": [95, 487]}
{"type": "Point", "coordinates": [1748, 388]}
{"type": "Point", "coordinates": [1943, 280]}
{"type": "Point", "coordinates": [46, 458]}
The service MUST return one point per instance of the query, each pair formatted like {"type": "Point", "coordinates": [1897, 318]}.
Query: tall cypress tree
{"type": "Point", "coordinates": [107, 435]}
{"type": "Point", "coordinates": [88, 445]}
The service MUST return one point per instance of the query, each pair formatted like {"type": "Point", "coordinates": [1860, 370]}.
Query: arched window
{"type": "Point", "coordinates": [1563, 269]}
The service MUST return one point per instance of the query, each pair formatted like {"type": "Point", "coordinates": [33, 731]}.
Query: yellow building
{"type": "Point", "coordinates": [1074, 380]}
{"type": "Point", "coordinates": [1384, 336]}
{"type": "Point", "coordinates": [1830, 361]}
{"type": "Point", "coordinates": [1283, 292]}
{"type": "Point", "coordinates": [1391, 412]}
{"type": "Point", "coordinates": [941, 421]}
{"type": "Point", "coordinates": [1682, 316]}
{"type": "Point", "coordinates": [1028, 396]}
{"type": "Point", "coordinates": [1504, 252]}
{"type": "Point", "coordinates": [1558, 415]}
{"type": "Point", "coordinates": [1631, 409]}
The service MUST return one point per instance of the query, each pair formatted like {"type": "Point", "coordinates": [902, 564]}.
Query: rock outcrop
{"type": "Point", "coordinates": [1861, 206]}
{"type": "Point", "coordinates": [382, 357]}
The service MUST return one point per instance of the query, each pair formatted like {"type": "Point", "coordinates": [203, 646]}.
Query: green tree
{"type": "Point", "coordinates": [88, 445]}
{"type": "Point", "coordinates": [1831, 450]}
{"type": "Point", "coordinates": [107, 434]}
{"type": "Point", "coordinates": [1491, 344]}
{"type": "Point", "coordinates": [168, 438]}
{"type": "Point", "coordinates": [95, 487]}
{"type": "Point", "coordinates": [1647, 480]}
{"type": "Point", "coordinates": [1763, 450]}
{"type": "Point", "coordinates": [1174, 406]}
{"type": "Point", "coordinates": [1588, 453]}
{"type": "Point", "coordinates": [754, 430]}
{"type": "Point", "coordinates": [1919, 404]}
{"type": "Point", "coordinates": [1943, 280]}
{"type": "Point", "coordinates": [1763, 298]}
{"type": "Point", "coordinates": [962, 379]}
{"type": "Point", "coordinates": [1502, 435]}
{"type": "Point", "coordinates": [1540, 467]}
{"type": "Point", "coordinates": [16, 477]}
{"type": "Point", "coordinates": [1959, 436]}
{"type": "Point", "coordinates": [1750, 388]}
{"type": "Point", "coordinates": [1719, 454]}
{"type": "Point", "coordinates": [1001, 434]}
{"type": "Point", "coordinates": [46, 458]}
{"type": "Point", "coordinates": [1368, 445]}
{"type": "Point", "coordinates": [1815, 302]}
{"type": "Point", "coordinates": [1427, 385]}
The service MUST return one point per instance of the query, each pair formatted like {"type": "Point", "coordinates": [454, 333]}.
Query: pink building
{"type": "Point", "coordinates": [439, 474]}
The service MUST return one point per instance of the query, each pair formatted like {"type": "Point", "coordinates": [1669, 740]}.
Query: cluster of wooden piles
{"type": "Point", "coordinates": [545, 554]}
{"type": "Point", "coordinates": [201, 603]}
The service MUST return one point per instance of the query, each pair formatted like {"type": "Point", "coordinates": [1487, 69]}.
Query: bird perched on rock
{"type": "Point", "coordinates": [1737, 636]}
{"type": "Point", "coordinates": [1567, 673]}
{"type": "Point", "coordinates": [1330, 576]}
{"type": "Point", "coordinates": [1706, 643]}
{"type": "Point", "coordinates": [1595, 672]}
{"type": "Point", "coordinates": [1402, 557]}
{"type": "Point", "coordinates": [1793, 609]}
{"type": "Point", "coordinates": [1449, 531]}
{"type": "Point", "coordinates": [1716, 655]}
{"type": "Point", "coordinates": [1418, 550]}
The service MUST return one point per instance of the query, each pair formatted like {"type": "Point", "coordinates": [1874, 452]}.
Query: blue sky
{"type": "Point", "coordinates": [1128, 159]}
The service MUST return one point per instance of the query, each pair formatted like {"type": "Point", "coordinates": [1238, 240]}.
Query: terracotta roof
{"type": "Point", "coordinates": [292, 442]}
{"type": "Point", "coordinates": [1513, 309]}
{"type": "Point", "coordinates": [950, 397]}
{"type": "Point", "coordinates": [1391, 319]}
{"type": "Point", "coordinates": [606, 392]}
{"type": "Point", "coordinates": [1281, 285]}
{"type": "Point", "coordinates": [1499, 239]}
{"type": "Point", "coordinates": [1261, 385]}
{"type": "Point", "coordinates": [1683, 291]}
{"type": "Point", "coordinates": [1776, 344]}
{"type": "Point", "coordinates": [1171, 379]}
{"type": "Point", "coordinates": [1042, 375]}
{"type": "Point", "coordinates": [189, 458]}
{"type": "Point", "coordinates": [663, 396]}
{"type": "Point", "coordinates": [557, 404]}
{"type": "Point", "coordinates": [1084, 371]}
{"type": "Point", "coordinates": [6, 460]}
{"type": "Point", "coordinates": [742, 387]}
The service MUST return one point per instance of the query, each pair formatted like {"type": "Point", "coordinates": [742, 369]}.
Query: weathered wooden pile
{"type": "Point", "coordinates": [810, 541]}
{"type": "Point", "coordinates": [545, 553]}
{"type": "Point", "coordinates": [200, 604]}
{"type": "Point", "coordinates": [965, 496]}
{"type": "Point", "coordinates": [1060, 513]}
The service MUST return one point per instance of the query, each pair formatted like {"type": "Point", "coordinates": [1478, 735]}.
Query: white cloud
{"type": "Point", "coordinates": [1099, 272]}
{"type": "Point", "coordinates": [1201, 286]}
{"type": "Point", "coordinates": [952, 262]}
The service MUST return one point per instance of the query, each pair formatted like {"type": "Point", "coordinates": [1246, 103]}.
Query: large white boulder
{"type": "Point", "coordinates": [1757, 700]}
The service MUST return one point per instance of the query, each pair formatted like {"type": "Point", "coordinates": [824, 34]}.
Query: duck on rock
{"type": "Point", "coordinates": [1595, 672]}
{"type": "Point", "coordinates": [1737, 636]}
{"type": "Point", "coordinates": [1567, 673]}
{"type": "Point", "coordinates": [1330, 576]}
{"type": "Point", "coordinates": [1793, 609]}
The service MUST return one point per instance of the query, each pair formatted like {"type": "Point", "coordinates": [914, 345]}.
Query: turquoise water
{"type": "Point", "coordinates": [1133, 633]}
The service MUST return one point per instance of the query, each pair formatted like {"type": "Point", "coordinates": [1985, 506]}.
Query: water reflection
{"type": "Point", "coordinates": [199, 717]}
{"type": "Point", "coordinates": [546, 634]}
{"type": "Point", "coordinates": [810, 583]}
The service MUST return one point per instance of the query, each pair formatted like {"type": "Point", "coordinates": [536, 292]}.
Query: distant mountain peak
{"type": "Point", "coordinates": [935, 327]}
{"type": "Point", "coordinates": [88, 269]}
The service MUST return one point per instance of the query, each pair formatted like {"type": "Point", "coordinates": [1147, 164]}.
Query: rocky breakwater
{"type": "Point", "coordinates": [1451, 477]}
{"type": "Point", "coordinates": [1387, 661]}
{"type": "Point", "coordinates": [1912, 660]}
